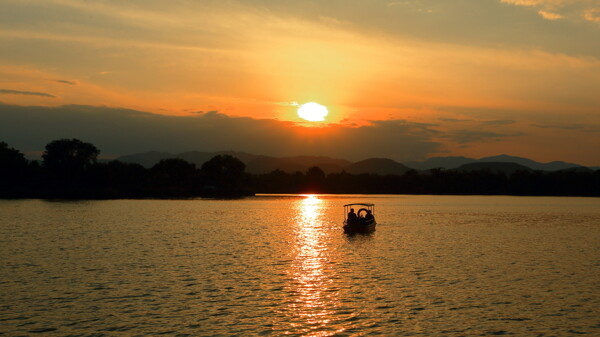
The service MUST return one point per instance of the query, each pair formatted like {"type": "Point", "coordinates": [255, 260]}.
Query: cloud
{"type": "Point", "coordinates": [534, 2]}
{"type": "Point", "coordinates": [118, 131]}
{"type": "Point", "coordinates": [66, 82]}
{"type": "Point", "coordinates": [398, 3]}
{"type": "Point", "coordinates": [121, 131]}
{"type": "Point", "coordinates": [571, 127]}
{"type": "Point", "coordinates": [549, 9]}
{"type": "Point", "coordinates": [548, 3]}
{"type": "Point", "coordinates": [210, 112]}
{"type": "Point", "coordinates": [549, 15]}
{"type": "Point", "coordinates": [478, 136]}
{"type": "Point", "coordinates": [29, 93]}
{"type": "Point", "coordinates": [454, 120]}
{"type": "Point", "coordinates": [499, 122]}
{"type": "Point", "coordinates": [592, 14]}
{"type": "Point", "coordinates": [158, 57]}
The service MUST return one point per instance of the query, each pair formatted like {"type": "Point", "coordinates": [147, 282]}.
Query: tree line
{"type": "Point", "coordinates": [70, 169]}
{"type": "Point", "coordinates": [435, 181]}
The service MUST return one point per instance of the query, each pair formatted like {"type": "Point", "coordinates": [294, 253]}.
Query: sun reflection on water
{"type": "Point", "coordinates": [315, 298]}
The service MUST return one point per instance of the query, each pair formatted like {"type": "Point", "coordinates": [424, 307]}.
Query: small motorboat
{"type": "Point", "coordinates": [363, 221]}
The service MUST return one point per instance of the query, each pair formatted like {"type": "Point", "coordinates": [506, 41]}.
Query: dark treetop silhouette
{"type": "Point", "coordinates": [70, 170]}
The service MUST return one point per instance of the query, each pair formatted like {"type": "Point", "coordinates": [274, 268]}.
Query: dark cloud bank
{"type": "Point", "coordinates": [121, 131]}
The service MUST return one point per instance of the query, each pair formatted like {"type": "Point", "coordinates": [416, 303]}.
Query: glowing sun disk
{"type": "Point", "coordinates": [313, 112]}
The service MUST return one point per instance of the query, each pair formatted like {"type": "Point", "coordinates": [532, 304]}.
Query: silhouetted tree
{"type": "Point", "coordinates": [315, 180]}
{"type": "Point", "coordinates": [13, 169]}
{"type": "Point", "coordinates": [224, 174]}
{"type": "Point", "coordinates": [66, 165]}
{"type": "Point", "coordinates": [174, 177]}
{"type": "Point", "coordinates": [277, 181]}
{"type": "Point", "coordinates": [116, 179]}
{"type": "Point", "coordinates": [11, 160]}
{"type": "Point", "coordinates": [70, 156]}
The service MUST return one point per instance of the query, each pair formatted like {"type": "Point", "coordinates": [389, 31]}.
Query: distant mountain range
{"type": "Point", "coordinates": [380, 166]}
{"type": "Point", "coordinates": [508, 168]}
{"type": "Point", "coordinates": [456, 162]}
{"type": "Point", "coordinates": [259, 164]}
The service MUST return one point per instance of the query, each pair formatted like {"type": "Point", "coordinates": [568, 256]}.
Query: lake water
{"type": "Point", "coordinates": [281, 265]}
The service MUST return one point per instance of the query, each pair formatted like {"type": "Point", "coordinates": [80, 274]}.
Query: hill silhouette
{"type": "Point", "coordinates": [70, 170]}
{"type": "Point", "coordinates": [495, 167]}
{"type": "Point", "coordinates": [256, 164]}
{"type": "Point", "coordinates": [456, 162]}
{"type": "Point", "coordinates": [260, 164]}
{"type": "Point", "coordinates": [268, 164]}
{"type": "Point", "coordinates": [534, 165]}
{"type": "Point", "coordinates": [382, 166]}
{"type": "Point", "coordinates": [151, 158]}
{"type": "Point", "coordinates": [320, 160]}
{"type": "Point", "coordinates": [439, 162]}
{"type": "Point", "coordinates": [579, 169]}
{"type": "Point", "coordinates": [265, 164]}
{"type": "Point", "coordinates": [146, 159]}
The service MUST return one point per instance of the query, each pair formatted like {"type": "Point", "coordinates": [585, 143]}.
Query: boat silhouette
{"type": "Point", "coordinates": [363, 221]}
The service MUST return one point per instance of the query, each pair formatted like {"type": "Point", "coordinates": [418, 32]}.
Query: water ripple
{"type": "Point", "coordinates": [450, 266]}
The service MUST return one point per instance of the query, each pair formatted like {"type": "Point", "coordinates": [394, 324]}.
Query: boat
{"type": "Point", "coordinates": [362, 223]}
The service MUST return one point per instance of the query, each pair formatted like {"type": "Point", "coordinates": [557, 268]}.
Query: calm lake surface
{"type": "Point", "coordinates": [281, 265]}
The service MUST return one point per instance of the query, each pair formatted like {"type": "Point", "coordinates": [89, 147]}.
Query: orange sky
{"type": "Point", "coordinates": [499, 76]}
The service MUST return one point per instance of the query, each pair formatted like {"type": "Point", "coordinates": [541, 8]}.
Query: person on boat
{"type": "Point", "coordinates": [369, 217]}
{"type": "Point", "coordinates": [352, 218]}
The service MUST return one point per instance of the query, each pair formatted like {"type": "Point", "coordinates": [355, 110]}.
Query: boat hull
{"type": "Point", "coordinates": [359, 228]}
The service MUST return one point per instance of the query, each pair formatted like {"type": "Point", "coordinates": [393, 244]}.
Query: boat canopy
{"type": "Point", "coordinates": [363, 207]}
{"type": "Point", "coordinates": [366, 205]}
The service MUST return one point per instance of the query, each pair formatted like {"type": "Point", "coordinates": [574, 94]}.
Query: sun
{"type": "Point", "coordinates": [313, 112]}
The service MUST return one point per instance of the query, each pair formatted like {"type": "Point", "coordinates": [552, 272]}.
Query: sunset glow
{"type": "Point", "coordinates": [424, 76]}
{"type": "Point", "coordinates": [300, 168]}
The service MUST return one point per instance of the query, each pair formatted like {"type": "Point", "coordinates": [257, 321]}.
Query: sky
{"type": "Point", "coordinates": [405, 80]}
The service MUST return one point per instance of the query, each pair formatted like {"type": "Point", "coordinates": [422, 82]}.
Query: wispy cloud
{"type": "Point", "coordinates": [548, 3]}
{"type": "Point", "coordinates": [454, 120]}
{"type": "Point", "coordinates": [571, 127]}
{"type": "Point", "coordinates": [29, 93]}
{"type": "Point", "coordinates": [549, 15]}
{"type": "Point", "coordinates": [66, 82]}
{"type": "Point", "coordinates": [479, 136]}
{"type": "Point", "coordinates": [201, 112]}
{"type": "Point", "coordinates": [557, 9]}
{"type": "Point", "coordinates": [592, 14]}
{"type": "Point", "coordinates": [499, 122]}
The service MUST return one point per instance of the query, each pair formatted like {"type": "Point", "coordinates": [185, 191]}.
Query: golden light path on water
{"type": "Point", "coordinates": [315, 299]}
